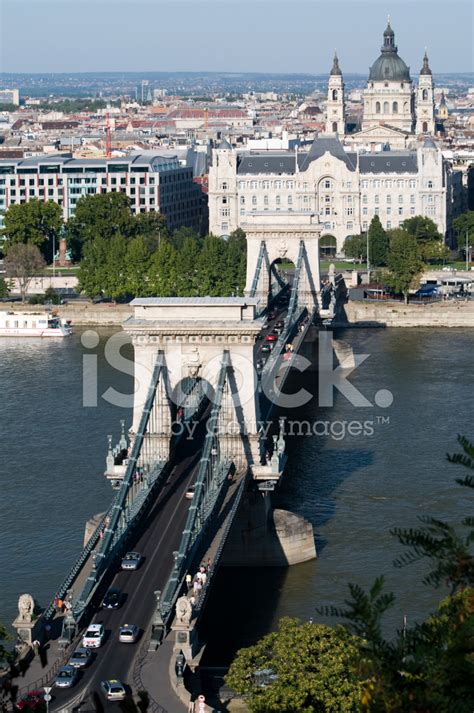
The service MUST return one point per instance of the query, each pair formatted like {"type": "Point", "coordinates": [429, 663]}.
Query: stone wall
{"type": "Point", "coordinates": [80, 313]}
{"type": "Point", "coordinates": [392, 314]}
{"type": "Point", "coordinates": [262, 537]}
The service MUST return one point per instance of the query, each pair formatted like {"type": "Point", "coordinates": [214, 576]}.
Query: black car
{"type": "Point", "coordinates": [112, 599]}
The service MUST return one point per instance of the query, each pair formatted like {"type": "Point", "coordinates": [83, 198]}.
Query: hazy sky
{"type": "Point", "coordinates": [225, 35]}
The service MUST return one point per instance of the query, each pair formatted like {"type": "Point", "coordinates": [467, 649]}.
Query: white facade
{"type": "Point", "coordinates": [343, 189]}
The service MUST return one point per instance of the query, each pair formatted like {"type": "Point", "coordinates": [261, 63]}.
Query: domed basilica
{"type": "Point", "coordinates": [393, 110]}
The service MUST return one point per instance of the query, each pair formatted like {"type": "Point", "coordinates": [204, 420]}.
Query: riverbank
{"type": "Point", "coordinates": [393, 314]}
{"type": "Point", "coordinates": [103, 314]}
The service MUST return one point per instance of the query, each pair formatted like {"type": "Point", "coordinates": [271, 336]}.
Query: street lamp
{"type": "Point", "coordinates": [47, 696]}
{"type": "Point", "coordinates": [368, 256]}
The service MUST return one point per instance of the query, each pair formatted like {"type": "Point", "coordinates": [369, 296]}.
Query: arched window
{"type": "Point", "coordinates": [334, 94]}
{"type": "Point", "coordinates": [242, 200]}
{"type": "Point", "coordinates": [377, 107]}
{"type": "Point", "coordinates": [424, 128]}
{"type": "Point", "coordinates": [425, 95]}
{"type": "Point", "coordinates": [405, 107]}
{"type": "Point", "coordinates": [224, 186]}
{"type": "Point", "coordinates": [395, 108]}
{"type": "Point", "coordinates": [385, 108]}
{"type": "Point", "coordinates": [430, 184]}
{"type": "Point", "coordinates": [334, 126]}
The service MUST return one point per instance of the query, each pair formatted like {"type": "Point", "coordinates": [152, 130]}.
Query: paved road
{"type": "Point", "coordinates": [162, 535]}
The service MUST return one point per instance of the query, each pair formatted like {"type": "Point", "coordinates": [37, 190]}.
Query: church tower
{"type": "Point", "coordinates": [443, 111]}
{"type": "Point", "coordinates": [425, 110]}
{"type": "Point", "coordinates": [335, 115]}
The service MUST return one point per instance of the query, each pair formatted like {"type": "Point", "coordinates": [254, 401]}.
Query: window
{"type": "Point", "coordinates": [265, 184]}
{"type": "Point", "coordinates": [425, 95]}
{"type": "Point", "coordinates": [334, 94]}
{"type": "Point", "coordinates": [364, 211]}
{"type": "Point", "coordinates": [265, 200]}
{"type": "Point", "coordinates": [242, 211]}
{"type": "Point", "coordinates": [401, 184]}
{"type": "Point", "coordinates": [377, 107]}
{"type": "Point", "coordinates": [242, 200]}
{"type": "Point", "coordinates": [278, 200]}
{"type": "Point", "coordinates": [253, 184]}
{"type": "Point", "coordinates": [305, 186]}
{"type": "Point", "coordinates": [400, 198]}
{"type": "Point", "coordinates": [412, 183]}
{"type": "Point", "coordinates": [365, 184]}
{"type": "Point", "coordinates": [400, 211]}
{"type": "Point", "coordinates": [224, 227]}
{"type": "Point", "coordinates": [225, 212]}
{"type": "Point", "coordinates": [350, 226]}
{"type": "Point", "coordinates": [389, 224]}
{"type": "Point", "coordinates": [224, 186]}
{"type": "Point", "coordinates": [241, 185]}
{"type": "Point", "coordinates": [430, 199]}
{"type": "Point", "coordinates": [327, 184]}
{"type": "Point", "coordinates": [364, 225]}
{"type": "Point", "coordinates": [277, 184]}
{"type": "Point", "coordinates": [327, 199]}
{"type": "Point", "coordinates": [377, 211]}
{"type": "Point", "coordinates": [385, 108]}
{"type": "Point", "coordinates": [254, 200]}
{"type": "Point", "coordinates": [334, 127]}
{"type": "Point", "coordinates": [376, 183]}
{"type": "Point", "coordinates": [290, 200]}
{"type": "Point", "coordinates": [388, 183]}
{"type": "Point", "coordinates": [424, 127]}
{"type": "Point", "coordinates": [412, 211]}
{"type": "Point", "coordinates": [224, 201]}
{"type": "Point", "coordinates": [349, 211]}
{"type": "Point", "coordinates": [327, 211]}
{"type": "Point", "coordinates": [349, 200]}
{"type": "Point", "coordinates": [349, 184]}
{"type": "Point", "coordinates": [364, 198]}
{"type": "Point", "coordinates": [389, 199]}
{"type": "Point", "coordinates": [389, 211]}
{"type": "Point", "coordinates": [430, 184]}
{"type": "Point", "coordinates": [305, 199]}
{"type": "Point", "coordinates": [377, 199]}
{"type": "Point", "coordinates": [395, 108]}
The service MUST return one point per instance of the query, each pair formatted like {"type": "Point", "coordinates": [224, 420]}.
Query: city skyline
{"type": "Point", "coordinates": [228, 37]}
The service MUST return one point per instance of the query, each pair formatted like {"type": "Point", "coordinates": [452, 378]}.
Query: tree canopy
{"type": "Point", "coordinates": [35, 222]}
{"type": "Point", "coordinates": [355, 246]}
{"type": "Point", "coordinates": [378, 243]}
{"type": "Point", "coordinates": [404, 262]}
{"type": "Point", "coordinates": [300, 667]}
{"type": "Point", "coordinates": [23, 262]}
{"type": "Point", "coordinates": [464, 225]}
{"type": "Point", "coordinates": [422, 229]}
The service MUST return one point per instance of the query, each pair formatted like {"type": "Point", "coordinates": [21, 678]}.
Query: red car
{"type": "Point", "coordinates": [32, 701]}
{"type": "Point", "coordinates": [271, 338]}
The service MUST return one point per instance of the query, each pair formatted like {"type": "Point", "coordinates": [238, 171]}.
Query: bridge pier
{"type": "Point", "coordinates": [262, 536]}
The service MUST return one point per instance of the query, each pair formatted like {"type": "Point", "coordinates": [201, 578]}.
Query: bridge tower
{"type": "Point", "coordinates": [279, 237]}
{"type": "Point", "coordinates": [193, 335]}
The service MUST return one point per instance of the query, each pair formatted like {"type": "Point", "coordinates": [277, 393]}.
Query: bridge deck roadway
{"type": "Point", "coordinates": [161, 536]}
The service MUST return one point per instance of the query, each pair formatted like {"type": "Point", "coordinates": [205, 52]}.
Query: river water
{"type": "Point", "coordinates": [353, 490]}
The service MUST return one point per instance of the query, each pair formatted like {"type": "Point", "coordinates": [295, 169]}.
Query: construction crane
{"type": "Point", "coordinates": [108, 146]}
{"type": "Point", "coordinates": [206, 118]}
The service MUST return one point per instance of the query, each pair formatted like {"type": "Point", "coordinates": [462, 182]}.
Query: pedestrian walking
{"type": "Point", "coordinates": [189, 581]}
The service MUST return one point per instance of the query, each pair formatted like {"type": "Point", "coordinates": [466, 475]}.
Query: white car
{"type": "Point", "coordinates": [113, 690]}
{"type": "Point", "coordinates": [128, 633]}
{"type": "Point", "coordinates": [94, 636]}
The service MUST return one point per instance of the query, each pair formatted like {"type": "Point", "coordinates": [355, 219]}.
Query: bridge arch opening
{"type": "Point", "coordinates": [327, 246]}
{"type": "Point", "coordinates": [188, 394]}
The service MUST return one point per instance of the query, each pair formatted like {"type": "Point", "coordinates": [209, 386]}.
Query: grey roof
{"type": "Point", "coordinates": [428, 143]}
{"type": "Point", "coordinates": [426, 67]}
{"type": "Point", "coordinates": [266, 163]}
{"type": "Point", "coordinates": [388, 162]}
{"type": "Point", "coordinates": [172, 301]}
{"type": "Point", "coordinates": [224, 144]}
{"type": "Point", "coordinates": [319, 147]}
{"type": "Point", "coordinates": [389, 66]}
{"type": "Point", "coordinates": [336, 70]}
{"type": "Point", "coordinates": [198, 161]}
{"type": "Point", "coordinates": [151, 160]}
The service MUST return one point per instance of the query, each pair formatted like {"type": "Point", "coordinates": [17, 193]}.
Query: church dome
{"type": "Point", "coordinates": [389, 66]}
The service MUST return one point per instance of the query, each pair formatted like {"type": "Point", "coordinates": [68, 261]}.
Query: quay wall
{"type": "Point", "coordinates": [392, 314]}
{"type": "Point", "coordinates": [103, 314]}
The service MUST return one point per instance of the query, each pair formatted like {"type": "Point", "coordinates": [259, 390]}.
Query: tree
{"type": "Point", "coordinates": [92, 276]}
{"type": "Point", "coordinates": [35, 223]}
{"type": "Point", "coordinates": [236, 268]}
{"type": "Point", "coordinates": [355, 246]}
{"type": "Point", "coordinates": [187, 265]}
{"type": "Point", "coordinates": [464, 225]}
{"type": "Point", "coordinates": [378, 243]}
{"type": "Point", "coordinates": [180, 235]}
{"type": "Point", "coordinates": [4, 289]}
{"type": "Point", "coordinates": [404, 262]}
{"type": "Point", "coordinates": [102, 215]}
{"type": "Point", "coordinates": [152, 228]}
{"type": "Point", "coordinates": [162, 272]}
{"type": "Point", "coordinates": [136, 266]}
{"type": "Point", "coordinates": [422, 229]}
{"type": "Point", "coordinates": [300, 667]}
{"type": "Point", "coordinates": [115, 278]}
{"type": "Point", "coordinates": [212, 266]}
{"type": "Point", "coordinates": [23, 262]}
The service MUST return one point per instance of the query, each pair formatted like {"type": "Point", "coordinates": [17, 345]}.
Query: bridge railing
{"type": "Point", "coordinates": [211, 476]}
{"type": "Point", "coordinates": [123, 513]}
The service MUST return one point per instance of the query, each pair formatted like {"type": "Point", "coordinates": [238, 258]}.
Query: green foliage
{"type": "Point", "coordinates": [115, 277]}
{"type": "Point", "coordinates": [152, 228]}
{"type": "Point", "coordinates": [422, 229]}
{"type": "Point", "coordinates": [72, 106]}
{"type": "Point", "coordinates": [309, 667]}
{"type": "Point", "coordinates": [23, 262]}
{"type": "Point", "coordinates": [464, 224]}
{"type": "Point", "coordinates": [102, 215]}
{"type": "Point", "coordinates": [355, 246]}
{"type": "Point", "coordinates": [4, 289]}
{"type": "Point", "coordinates": [378, 243]}
{"type": "Point", "coordinates": [136, 265]}
{"type": "Point", "coordinates": [91, 275]}
{"type": "Point", "coordinates": [51, 295]}
{"type": "Point", "coordinates": [188, 276]}
{"type": "Point", "coordinates": [35, 223]}
{"type": "Point", "coordinates": [404, 262]}
{"type": "Point", "coordinates": [162, 272]}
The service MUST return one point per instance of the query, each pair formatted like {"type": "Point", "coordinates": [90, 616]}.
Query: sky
{"type": "Point", "coordinates": [282, 36]}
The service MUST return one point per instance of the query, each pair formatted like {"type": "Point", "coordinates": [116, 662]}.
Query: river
{"type": "Point", "coordinates": [353, 490]}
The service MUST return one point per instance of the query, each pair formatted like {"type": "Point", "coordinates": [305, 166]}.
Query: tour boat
{"type": "Point", "coordinates": [33, 324]}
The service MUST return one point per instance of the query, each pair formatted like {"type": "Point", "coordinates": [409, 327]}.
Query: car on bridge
{"type": "Point", "coordinates": [266, 348]}
{"type": "Point", "coordinates": [94, 636]}
{"type": "Point", "coordinates": [66, 677]}
{"type": "Point", "coordinates": [128, 633]}
{"type": "Point", "coordinates": [189, 494]}
{"type": "Point", "coordinates": [112, 599]}
{"type": "Point", "coordinates": [271, 338]}
{"type": "Point", "coordinates": [280, 324]}
{"type": "Point", "coordinates": [81, 657]}
{"type": "Point", "coordinates": [132, 560]}
{"type": "Point", "coordinates": [113, 690]}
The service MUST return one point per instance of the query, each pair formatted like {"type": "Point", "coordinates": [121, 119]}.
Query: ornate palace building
{"type": "Point", "coordinates": [343, 180]}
